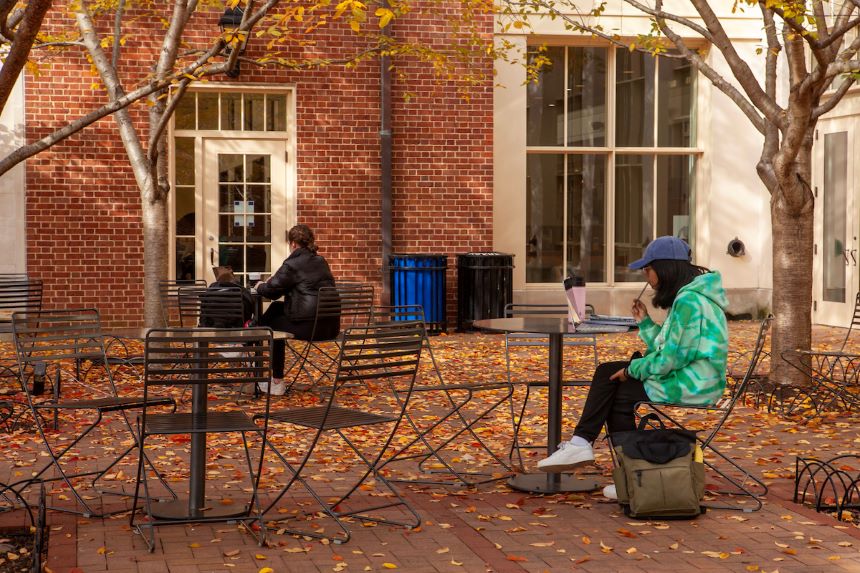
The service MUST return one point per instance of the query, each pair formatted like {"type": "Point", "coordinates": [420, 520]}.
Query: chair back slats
{"type": "Point", "coordinates": [21, 295]}
{"type": "Point", "coordinates": [222, 307]}
{"type": "Point", "coordinates": [540, 310]}
{"type": "Point", "coordinates": [758, 350]}
{"type": "Point", "coordinates": [168, 292]}
{"type": "Point", "coordinates": [380, 351]}
{"type": "Point", "coordinates": [186, 356]}
{"type": "Point", "coordinates": [353, 303]}
{"type": "Point", "coordinates": [46, 336]}
{"type": "Point", "coordinates": [855, 323]}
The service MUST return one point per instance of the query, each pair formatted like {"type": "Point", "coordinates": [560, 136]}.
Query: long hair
{"type": "Point", "coordinates": [303, 237]}
{"type": "Point", "coordinates": [672, 276]}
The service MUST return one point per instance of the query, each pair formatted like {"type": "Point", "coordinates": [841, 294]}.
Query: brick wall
{"type": "Point", "coordinates": [83, 208]}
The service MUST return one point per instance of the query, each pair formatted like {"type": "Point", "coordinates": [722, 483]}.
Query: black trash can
{"type": "Point", "coordinates": [484, 286]}
{"type": "Point", "coordinates": [420, 279]}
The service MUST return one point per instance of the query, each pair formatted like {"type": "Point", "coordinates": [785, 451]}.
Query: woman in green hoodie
{"type": "Point", "coordinates": [685, 360]}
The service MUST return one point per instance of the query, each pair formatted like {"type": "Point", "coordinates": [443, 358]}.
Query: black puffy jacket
{"type": "Point", "coordinates": [298, 280]}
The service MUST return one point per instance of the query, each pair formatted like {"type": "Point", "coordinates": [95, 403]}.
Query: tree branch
{"type": "Point", "coordinates": [19, 51]}
{"type": "Point", "coordinates": [715, 78]}
{"type": "Point", "coordinates": [741, 71]}
{"type": "Point", "coordinates": [833, 99]}
{"type": "Point", "coordinates": [117, 32]}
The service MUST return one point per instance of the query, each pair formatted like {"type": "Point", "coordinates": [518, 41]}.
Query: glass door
{"type": "Point", "coordinates": [835, 269]}
{"type": "Point", "coordinates": [244, 207]}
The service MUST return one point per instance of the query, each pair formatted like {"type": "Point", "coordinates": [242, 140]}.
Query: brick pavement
{"type": "Point", "coordinates": [492, 528]}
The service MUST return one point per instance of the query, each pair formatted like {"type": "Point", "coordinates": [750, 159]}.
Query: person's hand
{"type": "Point", "coordinates": [640, 311]}
{"type": "Point", "coordinates": [620, 375]}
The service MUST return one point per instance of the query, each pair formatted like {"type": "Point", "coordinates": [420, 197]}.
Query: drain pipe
{"type": "Point", "coordinates": [385, 159]}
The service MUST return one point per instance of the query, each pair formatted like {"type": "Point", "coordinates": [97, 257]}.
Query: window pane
{"type": "Point", "coordinates": [544, 218]}
{"type": "Point", "coordinates": [676, 104]}
{"type": "Point", "coordinates": [586, 96]}
{"type": "Point", "coordinates": [586, 245]}
{"type": "Point", "coordinates": [276, 113]}
{"type": "Point", "coordinates": [231, 111]}
{"type": "Point", "coordinates": [258, 258]}
{"type": "Point", "coordinates": [231, 167]}
{"type": "Point", "coordinates": [185, 112]}
{"type": "Point", "coordinates": [634, 219]}
{"type": "Point", "coordinates": [835, 227]}
{"type": "Point", "coordinates": [545, 103]}
{"type": "Point", "coordinates": [258, 168]}
{"type": "Point", "coordinates": [634, 99]}
{"type": "Point", "coordinates": [254, 112]}
{"type": "Point", "coordinates": [184, 200]}
{"type": "Point", "coordinates": [207, 110]}
{"type": "Point", "coordinates": [185, 258]}
{"type": "Point", "coordinates": [184, 165]}
{"type": "Point", "coordinates": [675, 184]}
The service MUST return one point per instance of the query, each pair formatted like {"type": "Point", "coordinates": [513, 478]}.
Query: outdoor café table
{"type": "Point", "coordinates": [555, 329]}
{"type": "Point", "coordinates": [195, 505]}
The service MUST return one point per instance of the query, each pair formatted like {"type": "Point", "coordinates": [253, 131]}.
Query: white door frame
{"type": "Point", "coordinates": [282, 212]}
{"type": "Point", "coordinates": [836, 254]}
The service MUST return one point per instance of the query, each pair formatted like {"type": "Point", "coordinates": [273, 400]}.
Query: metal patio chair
{"type": "Point", "coordinates": [168, 293]}
{"type": "Point", "coordinates": [352, 305]}
{"type": "Point", "coordinates": [457, 420]}
{"type": "Point", "coordinates": [49, 347]}
{"type": "Point", "coordinates": [745, 484]}
{"type": "Point", "coordinates": [178, 358]}
{"type": "Point", "coordinates": [383, 357]}
{"type": "Point", "coordinates": [520, 340]}
{"type": "Point", "coordinates": [833, 375]}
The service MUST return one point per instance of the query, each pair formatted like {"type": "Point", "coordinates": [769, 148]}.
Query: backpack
{"type": "Point", "coordinates": [659, 474]}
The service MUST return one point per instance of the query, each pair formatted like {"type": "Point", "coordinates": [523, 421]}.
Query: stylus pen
{"type": "Point", "coordinates": [641, 292]}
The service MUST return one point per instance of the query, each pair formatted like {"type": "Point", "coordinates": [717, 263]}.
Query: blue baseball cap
{"type": "Point", "coordinates": [662, 248]}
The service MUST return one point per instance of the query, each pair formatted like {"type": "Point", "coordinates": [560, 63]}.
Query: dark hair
{"type": "Point", "coordinates": [672, 276]}
{"type": "Point", "coordinates": [303, 237]}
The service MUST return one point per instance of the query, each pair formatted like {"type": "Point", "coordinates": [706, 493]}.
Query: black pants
{"type": "Point", "coordinates": [609, 402]}
{"type": "Point", "coordinates": [276, 318]}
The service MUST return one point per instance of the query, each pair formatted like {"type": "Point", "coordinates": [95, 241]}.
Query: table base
{"type": "Point", "coordinates": [178, 509]}
{"type": "Point", "coordinates": [552, 483]}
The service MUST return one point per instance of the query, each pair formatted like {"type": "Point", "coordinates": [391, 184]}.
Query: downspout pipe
{"type": "Point", "coordinates": [385, 160]}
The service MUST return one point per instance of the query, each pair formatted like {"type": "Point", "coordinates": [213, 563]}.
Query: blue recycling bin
{"type": "Point", "coordinates": [420, 279]}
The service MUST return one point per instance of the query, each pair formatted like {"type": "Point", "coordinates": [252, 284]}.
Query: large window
{"type": "Point", "coordinates": [611, 161]}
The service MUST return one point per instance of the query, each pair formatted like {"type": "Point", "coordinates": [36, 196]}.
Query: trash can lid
{"type": "Point", "coordinates": [419, 255]}
{"type": "Point", "coordinates": [487, 254]}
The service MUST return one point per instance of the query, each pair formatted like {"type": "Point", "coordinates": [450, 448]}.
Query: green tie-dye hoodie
{"type": "Point", "coordinates": [686, 358]}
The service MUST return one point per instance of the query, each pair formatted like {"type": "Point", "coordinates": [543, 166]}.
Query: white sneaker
{"type": "Point", "coordinates": [566, 457]}
{"type": "Point", "coordinates": [277, 387]}
{"type": "Point", "coordinates": [610, 492]}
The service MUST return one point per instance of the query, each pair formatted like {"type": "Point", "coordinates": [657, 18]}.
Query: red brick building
{"type": "Point", "coordinates": [250, 157]}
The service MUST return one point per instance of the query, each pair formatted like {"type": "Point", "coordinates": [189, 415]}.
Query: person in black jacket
{"type": "Point", "coordinates": [298, 280]}
{"type": "Point", "coordinates": [226, 280]}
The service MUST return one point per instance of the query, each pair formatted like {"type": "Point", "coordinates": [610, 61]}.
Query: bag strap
{"type": "Point", "coordinates": [651, 420]}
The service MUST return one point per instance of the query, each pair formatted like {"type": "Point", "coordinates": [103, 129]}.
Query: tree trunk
{"type": "Point", "coordinates": [155, 257]}
{"type": "Point", "coordinates": [792, 288]}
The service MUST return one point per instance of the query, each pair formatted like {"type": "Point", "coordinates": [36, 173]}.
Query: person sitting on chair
{"type": "Point", "coordinates": [227, 280]}
{"type": "Point", "coordinates": [685, 361]}
{"type": "Point", "coordinates": [298, 280]}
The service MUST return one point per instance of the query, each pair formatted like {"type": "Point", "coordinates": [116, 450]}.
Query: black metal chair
{"type": "Point", "coordinates": [177, 358]}
{"type": "Point", "coordinates": [742, 480]}
{"type": "Point", "coordinates": [527, 340]}
{"type": "Point", "coordinates": [385, 358]}
{"type": "Point", "coordinates": [47, 344]}
{"type": "Point", "coordinates": [352, 305]}
{"type": "Point", "coordinates": [168, 292]}
{"type": "Point", "coordinates": [833, 376]}
{"type": "Point", "coordinates": [458, 420]}
{"type": "Point", "coordinates": [18, 296]}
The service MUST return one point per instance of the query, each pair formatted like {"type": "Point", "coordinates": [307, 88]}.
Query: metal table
{"type": "Point", "coordinates": [555, 329]}
{"type": "Point", "coordinates": [195, 505]}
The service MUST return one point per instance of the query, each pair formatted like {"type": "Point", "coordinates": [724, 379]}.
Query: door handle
{"type": "Point", "coordinates": [212, 257]}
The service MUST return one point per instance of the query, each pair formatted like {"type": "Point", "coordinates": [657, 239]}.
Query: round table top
{"type": "Point", "coordinates": [537, 325]}
{"type": "Point", "coordinates": [545, 325]}
{"type": "Point", "coordinates": [140, 333]}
